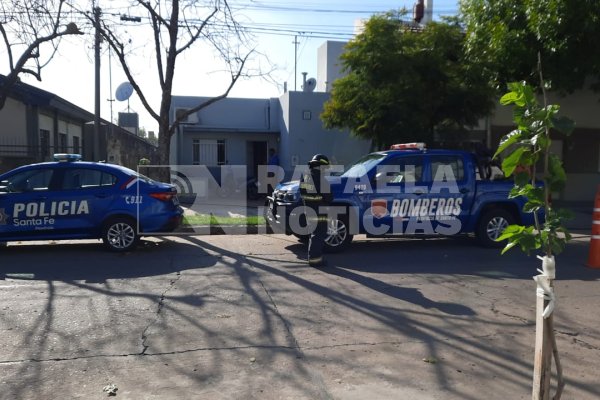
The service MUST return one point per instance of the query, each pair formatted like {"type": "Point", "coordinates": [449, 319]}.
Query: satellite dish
{"type": "Point", "coordinates": [124, 91]}
{"type": "Point", "coordinates": [310, 85]}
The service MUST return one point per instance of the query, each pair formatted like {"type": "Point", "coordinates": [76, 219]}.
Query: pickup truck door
{"type": "Point", "coordinates": [451, 189]}
{"type": "Point", "coordinates": [397, 181]}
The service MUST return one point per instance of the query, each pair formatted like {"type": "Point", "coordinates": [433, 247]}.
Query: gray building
{"type": "Point", "coordinates": [238, 131]}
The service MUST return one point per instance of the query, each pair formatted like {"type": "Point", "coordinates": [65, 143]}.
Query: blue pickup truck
{"type": "Point", "coordinates": [407, 190]}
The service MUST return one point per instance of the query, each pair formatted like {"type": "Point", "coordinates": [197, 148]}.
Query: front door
{"type": "Point", "coordinates": [25, 203]}
{"type": "Point", "coordinates": [397, 192]}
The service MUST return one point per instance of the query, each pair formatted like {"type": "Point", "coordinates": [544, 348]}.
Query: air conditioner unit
{"type": "Point", "coordinates": [190, 119]}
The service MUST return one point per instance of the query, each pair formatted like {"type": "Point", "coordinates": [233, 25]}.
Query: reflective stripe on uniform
{"type": "Point", "coordinates": [308, 197]}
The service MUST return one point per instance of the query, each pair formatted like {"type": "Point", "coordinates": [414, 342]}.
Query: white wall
{"type": "Point", "coordinates": [45, 122]}
{"type": "Point", "coordinates": [583, 106]}
{"type": "Point", "coordinates": [231, 113]}
{"type": "Point", "coordinates": [329, 67]}
{"type": "Point", "coordinates": [304, 138]}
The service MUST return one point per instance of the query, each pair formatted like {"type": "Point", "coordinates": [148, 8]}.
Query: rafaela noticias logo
{"type": "Point", "coordinates": [3, 217]}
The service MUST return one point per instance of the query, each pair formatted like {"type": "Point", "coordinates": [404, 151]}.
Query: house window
{"type": "Point", "coordinates": [211, 153]}
{"type": "Point", "coordinates": [44, 143]}
{"type": "Point", "coordinates": [62, 142]}
{"type": "Point", "coordinates": [76, 144]}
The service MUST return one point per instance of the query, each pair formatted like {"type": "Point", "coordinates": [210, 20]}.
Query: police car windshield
{"type": "Point", "coordinates": [362, 166]}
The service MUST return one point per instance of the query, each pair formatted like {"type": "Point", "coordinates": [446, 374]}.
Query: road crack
{"type": "Point", "coordinates": [161, 303]}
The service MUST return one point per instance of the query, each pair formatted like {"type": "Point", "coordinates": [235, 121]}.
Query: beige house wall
{"type": "Point", "coordinates": [13, 122]}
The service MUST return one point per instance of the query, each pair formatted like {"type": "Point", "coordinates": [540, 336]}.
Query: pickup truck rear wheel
{"type": "Point", "coordinates": [338, 234]}
{"type": "Point", "coordinates": [491, 225]}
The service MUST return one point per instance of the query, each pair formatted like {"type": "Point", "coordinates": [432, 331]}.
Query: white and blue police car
{"type": "Point", "coordinates": [74, 199]}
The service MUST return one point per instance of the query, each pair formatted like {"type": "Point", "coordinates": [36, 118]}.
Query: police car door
{"type": "Point", "coordinates": [87, 194]}
{"type": "Point", "coordinates": [397, 184]}
{"type": "Point", "coordinates": [450, 193]}
{"type": "Point", "coordinates": [24, 207]}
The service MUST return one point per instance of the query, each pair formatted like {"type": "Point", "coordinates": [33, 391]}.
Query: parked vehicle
{"type": "Point", "coordinates": [72, 199]}
{"type": "Point", "coordinates": [240, 186]}
{"type": "Point", "coordinates": [407, 190]}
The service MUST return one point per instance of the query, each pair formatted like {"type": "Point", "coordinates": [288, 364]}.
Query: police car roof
{"type": "Point", "coordinates": [75, 164]}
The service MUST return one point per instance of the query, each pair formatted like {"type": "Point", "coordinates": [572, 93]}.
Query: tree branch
{"type": "Point", "coordinates": [199, 30]}
{"type": "Point", "coordinates": [234, 78]}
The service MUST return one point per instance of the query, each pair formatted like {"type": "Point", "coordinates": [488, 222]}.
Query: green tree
{"type": "Point", "coordinates": [504, 38]}
{"type": "Point", "coordinates": [527, 146]}
{"type": "Point", "coordinates": [403, 84]}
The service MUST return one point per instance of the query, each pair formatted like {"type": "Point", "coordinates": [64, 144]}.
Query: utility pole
{"type": "Point", "coordinates": [110, 97]}
{"type": "Point", "coordinates": [295, 61]}
{"type": "Point", "coordinates": [96, 141]}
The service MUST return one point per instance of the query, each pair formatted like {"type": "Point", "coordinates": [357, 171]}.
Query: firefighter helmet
{"type": "Point", "coordinates": [317, 160]}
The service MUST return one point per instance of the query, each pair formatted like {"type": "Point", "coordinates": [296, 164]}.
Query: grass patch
{"type": "Point", "coordinates": [209, 219]}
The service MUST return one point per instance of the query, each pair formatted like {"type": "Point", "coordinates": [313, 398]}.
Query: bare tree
{"type": "Point", "coordinates": [176, 26]}
{"type": "Point", "coordinates": [26, 27]}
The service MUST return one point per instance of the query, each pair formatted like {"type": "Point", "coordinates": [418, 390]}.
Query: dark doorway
{"type": "Point", "coordinates": [259, 154]}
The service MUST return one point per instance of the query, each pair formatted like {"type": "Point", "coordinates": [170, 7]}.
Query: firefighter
{"type": "Point", "coordinates": [316, 196]}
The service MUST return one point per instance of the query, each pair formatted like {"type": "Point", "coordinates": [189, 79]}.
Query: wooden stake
{"type": "Point", "coordinates": [542, 368]}
{"type": "Point", "coordinates": [560, 385]}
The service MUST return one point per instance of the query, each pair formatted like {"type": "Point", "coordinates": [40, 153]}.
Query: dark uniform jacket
{"type": "Point", "coordinates": [315, 190]}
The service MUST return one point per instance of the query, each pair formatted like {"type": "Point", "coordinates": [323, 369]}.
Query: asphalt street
{"type": "Point", "coordinates": [244, 317]}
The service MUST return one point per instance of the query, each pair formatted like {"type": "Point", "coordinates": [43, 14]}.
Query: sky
{"type": "Point", "coordinates": [273, 24]}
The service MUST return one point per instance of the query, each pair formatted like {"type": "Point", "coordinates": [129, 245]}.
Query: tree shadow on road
{"type": "Point", "coordinates": [410, 295]}
{"type": "Point", "coordinates": [93, 264]}
{"type": "Point", "coordinates": [458, 255]}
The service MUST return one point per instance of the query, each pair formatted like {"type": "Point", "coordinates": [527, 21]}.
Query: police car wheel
{"type": "Point", "coordinates": [120, 234]}
{"type": "Point", "coordinates": [491, 225]}
{"type": "Point", "coordinates": [338, 235]}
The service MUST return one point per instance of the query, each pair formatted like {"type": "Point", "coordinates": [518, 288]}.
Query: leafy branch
{"type": "Point", "coordinates": [527, 147]}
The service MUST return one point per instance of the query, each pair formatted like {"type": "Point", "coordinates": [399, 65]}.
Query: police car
{"type": "Point", "coordinates": [73, 199]}
{"type": "Point", "coordinates": [407, 190]}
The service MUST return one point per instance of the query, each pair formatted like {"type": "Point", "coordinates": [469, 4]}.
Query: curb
{"type": "Point", "coordinates": [227, 230]}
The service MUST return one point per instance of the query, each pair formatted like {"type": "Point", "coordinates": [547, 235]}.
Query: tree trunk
{"type": "Point", "coordinates": [162, 171]}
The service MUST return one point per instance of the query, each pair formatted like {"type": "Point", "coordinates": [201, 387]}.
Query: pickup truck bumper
{"type": "Point", "coordinates": [278, 214]}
